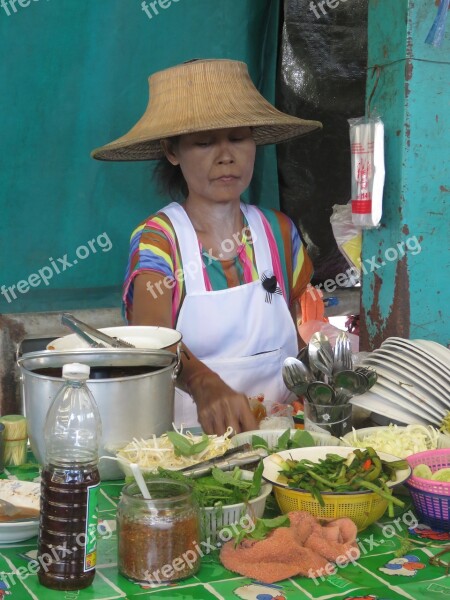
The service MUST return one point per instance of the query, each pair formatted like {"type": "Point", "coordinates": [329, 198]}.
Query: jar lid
{"type": "Point", "coordinates": [76, 371]}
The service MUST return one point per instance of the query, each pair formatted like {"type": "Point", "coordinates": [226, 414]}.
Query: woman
{"type": "Point", "coordinates": [226, 274]}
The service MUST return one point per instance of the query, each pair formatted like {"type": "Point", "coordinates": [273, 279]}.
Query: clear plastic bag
{"type": "Point", "coordinates": [347, 235]}
{"type": "Point", "coordinates": [367, 148]}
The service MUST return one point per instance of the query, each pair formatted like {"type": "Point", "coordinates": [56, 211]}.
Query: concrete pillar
{"type": "Point", "coordinates": [406, 288]}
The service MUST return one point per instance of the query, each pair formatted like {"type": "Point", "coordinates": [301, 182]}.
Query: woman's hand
{"type": "Point", "coordinates": [219, 406]}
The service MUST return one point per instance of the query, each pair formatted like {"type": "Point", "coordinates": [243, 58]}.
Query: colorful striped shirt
{"type": "Point", "coordinates": [154, 247]}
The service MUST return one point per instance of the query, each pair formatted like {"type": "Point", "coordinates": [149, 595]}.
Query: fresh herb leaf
{"type": "Point", "coordinates": [186, 447]}
{"type": "Point", "coordinates": [227, 478]}
{"type": "Point", "coordinates": [283, 440]}
{"type": "Point", "coordinates": [302, 439]}
{"type": "Point", "coordinates": [262, 527]}
{"type": "Point", "coordinates": [255, 488]}
{"type": "Point", "coordinates": [259, 442]}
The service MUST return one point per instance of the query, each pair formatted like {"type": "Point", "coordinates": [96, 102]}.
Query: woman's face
{"type": "Point", "coordinates": [217, 165]}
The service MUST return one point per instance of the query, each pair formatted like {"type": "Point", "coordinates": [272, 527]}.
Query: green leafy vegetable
{"type": "Point", "coordinates": [230, 478]}
{"type": "Point", "coordinates": [218, 489]}
{"type": "Point", "coordinates": [362, 470]}
{"type": "Point", "coordinates": [262, 527]}
{"type": "Point", "coordinates": [284, 440]}
{"type": "Point", "coordinates": [185, 447]}
{"type": "Point", "coordinates": [300, 439]}
{"type": "Point", "coordinates": [255, 488]}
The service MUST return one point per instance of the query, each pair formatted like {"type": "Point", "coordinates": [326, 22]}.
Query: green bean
{"type": "Point", "coordinates": [387, 496]}
{"type": "Point", "coordinates": [322, 480]}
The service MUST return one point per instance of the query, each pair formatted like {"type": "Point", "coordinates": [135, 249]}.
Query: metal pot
{"type": "Point", "coordinates": [133, 388]}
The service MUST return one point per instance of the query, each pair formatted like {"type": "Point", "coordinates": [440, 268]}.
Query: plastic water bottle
{"type": "Point", "coordinates": [67, 546]}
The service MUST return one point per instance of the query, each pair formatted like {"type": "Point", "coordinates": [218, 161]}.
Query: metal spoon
{"type": "Point", "coordinates": [370, 374]}
{"type": "Point", "coordinates": [349, 380]}
{"type": "Point", "coordinates": [320, 393]}
{"type": "Point", "coordinates": [296, 376]}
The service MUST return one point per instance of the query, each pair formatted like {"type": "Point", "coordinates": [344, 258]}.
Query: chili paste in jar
{"type": "Point", "coordinates": [158, 538]}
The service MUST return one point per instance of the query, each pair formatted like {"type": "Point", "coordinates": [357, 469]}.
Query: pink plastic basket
{"type": "Point", "coordinates": [431, 499]}
{"type": "Point", "coordinates": [435, 459]}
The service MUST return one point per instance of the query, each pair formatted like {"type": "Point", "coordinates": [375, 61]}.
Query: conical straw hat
{"type": "Point", "coordinates": [199, 96]}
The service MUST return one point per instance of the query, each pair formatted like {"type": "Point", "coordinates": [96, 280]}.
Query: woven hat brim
{"type": "Point", "coordinates": [150, 149]}
{"type": "Point", "coordinates": [199, 96]}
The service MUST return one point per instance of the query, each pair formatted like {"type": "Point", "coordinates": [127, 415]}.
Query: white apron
{"type": "Point", "coordinates": [235, 332]}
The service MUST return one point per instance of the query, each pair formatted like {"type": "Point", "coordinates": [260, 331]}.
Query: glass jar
{"type": "Point", "coordinates": [158, 539]}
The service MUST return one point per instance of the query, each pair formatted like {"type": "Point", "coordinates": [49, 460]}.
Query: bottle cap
{"type": "Point", "coordinates": [76, 371]}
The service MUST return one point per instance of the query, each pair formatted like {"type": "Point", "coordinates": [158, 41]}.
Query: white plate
{"type": "Point", "coordinates": [389, 360]}
{"type": "Point", "coordinates": [419, 352]}
{"type": "Point", "coordinates": [408, 401]}
{"type": "Point", "coordinates": [272, 469]}
{"type": "Point", "coordinates": [382, 406]}
{"type": "Point", "coordinates": [406, 348]}
{"type": "Point", "coordinates": [24, 494]}
{"type": "Point", "coordinates": [423, 361]}
{"type": "Point", "coordinates": [424, 398]}
{"type": "Point", "coordinates": [18, 531]}
{"type": "Point", "coordinates": [149, 337]}
{"type": "Point", "coordinates": [437, 350]}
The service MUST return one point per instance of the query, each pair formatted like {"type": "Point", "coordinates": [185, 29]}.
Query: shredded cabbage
{"type": "Point", "coordinates": [160, 452]}
{"type": "Point", "coordinates": [398, 441]}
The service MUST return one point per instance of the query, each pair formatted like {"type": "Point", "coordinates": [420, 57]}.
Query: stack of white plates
{"type": "Point", "coordinates": [413, 382]}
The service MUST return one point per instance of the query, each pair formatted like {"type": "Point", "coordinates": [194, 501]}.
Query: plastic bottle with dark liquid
{"type": "Point", "coordinates": [70, 482]}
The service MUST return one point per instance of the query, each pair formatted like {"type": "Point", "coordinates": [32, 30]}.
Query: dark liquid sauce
{"type": "Point", "coordinates": [62, 521]}
{"type": "Point", "coordinates": [101, 372]}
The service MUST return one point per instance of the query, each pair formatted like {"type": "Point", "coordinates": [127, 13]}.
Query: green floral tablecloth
{"type": "Point", "coordinates": [378, 575]}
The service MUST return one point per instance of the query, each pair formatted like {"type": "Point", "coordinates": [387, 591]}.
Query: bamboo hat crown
{"type": "Point", "coordinates": [202, 95]}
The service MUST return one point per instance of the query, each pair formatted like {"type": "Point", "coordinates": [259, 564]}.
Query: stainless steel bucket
{"type": "Point", "coordinates": [138, 405]}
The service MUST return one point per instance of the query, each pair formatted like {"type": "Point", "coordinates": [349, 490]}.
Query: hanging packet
{"type": "Point", "coordinates": [367, 148]}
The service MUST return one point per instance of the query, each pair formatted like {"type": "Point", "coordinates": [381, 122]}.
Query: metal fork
{"type": "Point", "coordinates": [347, 353]}
{"type": "Point", "coordinates": [338, 363]}
{"type": "Point", "coordinates": [296, 376]}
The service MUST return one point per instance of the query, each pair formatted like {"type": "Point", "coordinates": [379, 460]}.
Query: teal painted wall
{"type": "Point", "coordinates": [407, 293]}
{"type": "Point", "coordinates": [74, 76]}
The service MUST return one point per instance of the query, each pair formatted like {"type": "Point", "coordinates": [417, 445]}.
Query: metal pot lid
{"type": "Point", "coordinates": [98, 357]}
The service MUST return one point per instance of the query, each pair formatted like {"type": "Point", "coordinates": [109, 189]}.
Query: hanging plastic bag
{"type": "Point", "coordinates": [347, 235]}
{"type": "Point", "coordinates": [367, 147]}
{"type": "Point", "coordinates": [436, 34]}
